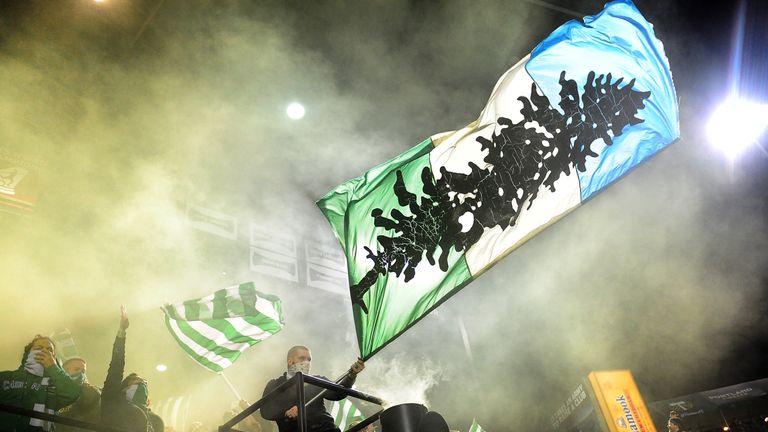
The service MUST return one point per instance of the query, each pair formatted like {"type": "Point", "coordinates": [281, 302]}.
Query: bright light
{"type": "Point", "coordinates": [737, 124]}
{"type": "Point", "coordinates": [98, 1]}
{"type": "Point", "coordinates": [295, 111]}
{"type": "Point", "coordinates": [161, 368]}
{"type": "Point", "coordinates": [726, 428]}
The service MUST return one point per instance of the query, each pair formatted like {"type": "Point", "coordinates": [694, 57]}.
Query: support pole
{"type": "Point", "coordinates": [465, 339]}
{"type": "Point", "coordinates": [302, 414]}
{"type": "Point", "coordinates": [231, 387]}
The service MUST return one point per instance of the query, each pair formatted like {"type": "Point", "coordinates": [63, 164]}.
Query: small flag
{"type": "Point", "coordinates": [585, 107]}
{"type": "Point", "coordinates": [475, 427]}
{"type": "Point", "coordinates": [215, 329]}
{"type": "Point", "coordinates": [344, 412]}
{"type": "Point", "coordinates": [65, 344]}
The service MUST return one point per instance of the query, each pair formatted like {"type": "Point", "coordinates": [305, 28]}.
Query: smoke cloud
{"type": "Point", "coordinates": [132, 112]}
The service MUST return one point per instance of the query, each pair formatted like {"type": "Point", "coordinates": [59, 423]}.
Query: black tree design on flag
{"type": "Point", "coordinates": [522, 158]}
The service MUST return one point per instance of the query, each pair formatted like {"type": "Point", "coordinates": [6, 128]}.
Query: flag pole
{"type": "Point", "coordinates": [322, 392]}
{"type": "Point", "coordinates": [465, 339]}
{"type": "Point", "coordinates": [231, 387]}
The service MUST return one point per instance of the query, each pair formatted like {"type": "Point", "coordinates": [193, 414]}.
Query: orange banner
{"type": "Point", "coordinates": [620, 402]}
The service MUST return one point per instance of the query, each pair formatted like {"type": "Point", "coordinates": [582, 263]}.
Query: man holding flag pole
{"type": "Point", "coordinates": [282, 409]}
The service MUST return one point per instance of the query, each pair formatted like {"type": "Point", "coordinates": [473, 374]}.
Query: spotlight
{"type": "Point", "coordinates": [765, 419]}
{"type": "Point", "coordinates": [161, 368]}
{"type": "Point", "coordinates": [295, 111]}
{"type": "Point", "coordinates": [736, 124]}
{"type": "Point", "coordinates": [726, 428]}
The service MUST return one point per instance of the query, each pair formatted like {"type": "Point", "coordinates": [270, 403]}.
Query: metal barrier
{"type": "Point", "coordinates": [298, 380]}
{"type": "Point", "coordinates": [58, 419]}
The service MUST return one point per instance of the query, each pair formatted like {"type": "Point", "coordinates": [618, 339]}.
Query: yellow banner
{"type": "Point", "coordinates": [620, 402]}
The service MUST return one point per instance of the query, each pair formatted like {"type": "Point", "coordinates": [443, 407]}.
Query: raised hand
{"type": "Point", "coordinates": [123, 319]}
{"type": "Point", "coordinates": [292, 413]}
{"type": "Point", "coordinates": [44, 357]}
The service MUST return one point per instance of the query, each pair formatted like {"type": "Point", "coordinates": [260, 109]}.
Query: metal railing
{"type": "Point", "coordinates": [298, 381]}
{"type": "Point", "coordinates": [58, 419]}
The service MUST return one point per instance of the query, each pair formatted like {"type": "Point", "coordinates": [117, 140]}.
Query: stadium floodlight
{"type": "Point", "coordinates": [737, 124]}
{"type": "Point", "coordinates": [295, 111]}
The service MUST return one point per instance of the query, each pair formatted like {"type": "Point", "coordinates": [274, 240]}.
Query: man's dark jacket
{"type": "Point", "coordinates": [87, 408]}
{"type": "Point", "coordinates": [318, 419]}
{"type": "Point", "coordinates": [116, 410]}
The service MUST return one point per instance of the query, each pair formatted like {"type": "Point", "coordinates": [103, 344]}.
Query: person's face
{"type": "Point", "coordinates": [671, 427]}
{"type": "Point", "coordinates": [73, 367]}
{"type": "Point", "coordinates": [43, 344]}
{"type": "Point", "coordinates": [301, 355]}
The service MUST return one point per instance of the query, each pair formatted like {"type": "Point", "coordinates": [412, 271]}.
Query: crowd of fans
{"type": "Point", "coordinates": [43, 385]}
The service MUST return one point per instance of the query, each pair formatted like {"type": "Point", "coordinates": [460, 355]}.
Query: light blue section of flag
{"type": "Point", "coordinates": [619, 41]}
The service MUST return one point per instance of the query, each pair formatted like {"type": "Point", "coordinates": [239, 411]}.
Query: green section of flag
{"type": "Point", "coordinates": [475, 427]}
{"type": "Point", "coordinates": [214, 330]}
{"type": "Point", "coordinates": [344, 413]}
{"type": "Point", "coordinates": [393, 304]}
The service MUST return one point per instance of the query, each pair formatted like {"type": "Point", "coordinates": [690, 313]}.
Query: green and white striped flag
{"type": "Point", "coordinates": [344, 412]}
{"type": "Point", "coordinates": [215, 329]}
{"type": "Point", "coordinates": [475, 427]}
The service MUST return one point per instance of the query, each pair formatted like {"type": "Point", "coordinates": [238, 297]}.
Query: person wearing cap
{"type": "Point", "coordinates": [87, 408]}
{"type": "Point", "coordinates": [675, 422]}
{"type": "Point", "coordinates": [674, 425]}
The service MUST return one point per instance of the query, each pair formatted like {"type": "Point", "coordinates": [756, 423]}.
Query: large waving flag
{"type": "Point", "coordinates": [214, 330]}
{"type": "Point", "coordinates": [588, 104]}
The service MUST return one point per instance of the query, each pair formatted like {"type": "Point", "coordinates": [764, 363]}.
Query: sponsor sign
{"type": "Point", "coordinates": [326, 267]}
{"type": "Point", "coordinates": [274, 264]}
{"type": "Point", "coordinates": [620, 403]}
{"type": "Point", "coordinates": [212, 222]}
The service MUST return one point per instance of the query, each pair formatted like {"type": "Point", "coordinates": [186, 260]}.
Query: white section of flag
{"type": "Point", "coordinates": [455, 150]}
